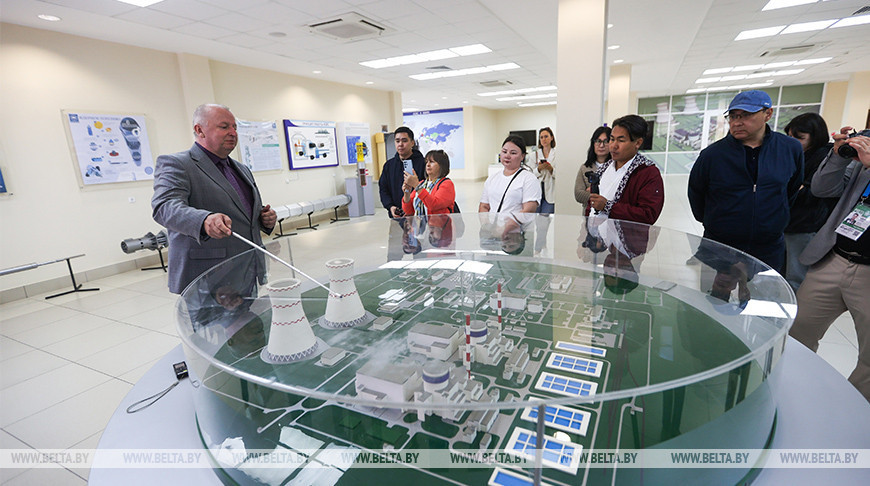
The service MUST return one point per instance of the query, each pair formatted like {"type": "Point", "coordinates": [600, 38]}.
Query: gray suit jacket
{"type": "Point", "coordinates": [187, 188]}
{"type": "Point", "coordinates": [828, 182]}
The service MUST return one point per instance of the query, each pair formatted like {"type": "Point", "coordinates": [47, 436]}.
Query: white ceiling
{"type": "Point", "coordinates": [668, 44]}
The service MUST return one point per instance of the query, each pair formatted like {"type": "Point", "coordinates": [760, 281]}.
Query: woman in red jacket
{"type": "Point", "coordinates": [435, 195]}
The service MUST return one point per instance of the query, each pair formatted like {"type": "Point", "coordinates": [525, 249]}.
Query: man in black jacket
{"type": "Point", "coordinates": [392, 178]}
{"type": "Point", "coordinates": [741, 187]}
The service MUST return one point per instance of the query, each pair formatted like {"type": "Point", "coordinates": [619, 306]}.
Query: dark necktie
{"type": "Point", "coordinates": [238, 185]}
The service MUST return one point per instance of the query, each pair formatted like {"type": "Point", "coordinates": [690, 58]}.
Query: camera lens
{"type": "Point", "coordinates": [847, 151]}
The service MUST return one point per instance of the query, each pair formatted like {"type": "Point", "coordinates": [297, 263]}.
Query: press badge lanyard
{"type": "Point", "coordinates": [858, 220]}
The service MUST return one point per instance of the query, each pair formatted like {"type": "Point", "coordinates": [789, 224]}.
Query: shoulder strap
{"type": "Point", "coordinates": [506, 190]}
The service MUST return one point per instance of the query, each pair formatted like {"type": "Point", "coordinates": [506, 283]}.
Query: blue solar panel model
{"type": "Point", "coordinates": [562, 455]}
{"type": "Point", "coordinates": [563, 418]}
{"type": "Point", "coordinates": [581, 348]}
{"type": "Point", "coordinates": [561, 385]}
{"type": "Point", "coordinates": [584, 366]}
{"type": "Point", "coordinates": [505, 477]}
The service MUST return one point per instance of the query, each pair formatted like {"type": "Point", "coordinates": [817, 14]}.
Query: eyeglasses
{"type": "Point", "coordinates": [601, 141]}
{"type": "Point", "coordinates": [740, 116]}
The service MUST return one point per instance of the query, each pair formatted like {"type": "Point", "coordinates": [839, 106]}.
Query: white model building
{"type": "Point", "coordinates": [483, 420]}
{"type": "Point", "coordinates": [435, 340]}
{"type": "Point", "coordinates": [509, 300]}
{"type": "Point", "coordinates": [536, 306]}
{"type": "Point", "coordinates": [489, 347]}
{"type": "Point", "coordinates": [382, 380]}
{"type": "Point", "coordinates": [517, 363]}
{"type": "Point", "coordinates": [382, 323]}
{"type": "Point", "coordinates": [561, 282]}
{"type": "Point", "coordinates": [596, 312]}
{"type": "Point", "coordinates": [332, 356]}
{"type": "Point", "coordinates": [456, 389]}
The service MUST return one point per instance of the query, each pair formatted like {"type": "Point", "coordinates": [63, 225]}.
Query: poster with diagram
{"type": "Point", "coordinates": [259, 146]}
{"type": "Point", "coordinates": [310, 144]}
{"type": "Point", "coordinates": [439, 129]}
{"type": "Point", "coordinates": [110, 148]}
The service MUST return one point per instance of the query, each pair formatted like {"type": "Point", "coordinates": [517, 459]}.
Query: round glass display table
{"type": "Point", "coordinates": [440, 350]}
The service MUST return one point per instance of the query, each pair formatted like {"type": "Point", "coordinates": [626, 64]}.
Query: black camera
{"type": "Point", "coordinates": [847, 151]}
{"type": "Point", "coordinates": [594, 180]}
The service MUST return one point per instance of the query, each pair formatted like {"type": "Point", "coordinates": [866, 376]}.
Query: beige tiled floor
{"type": "Point", "coordinates": [66, 363]}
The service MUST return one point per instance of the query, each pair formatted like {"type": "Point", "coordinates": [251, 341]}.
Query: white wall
{"type": "Point", "coordinates": [48, 216]}
{"type": "Point", "coordinates": [531, 118]}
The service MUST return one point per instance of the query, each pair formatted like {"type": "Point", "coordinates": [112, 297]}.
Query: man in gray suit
{"type": "Point", "coordinates": [839, 278]}
{"type": "Point", "coordinates": [202, 196]}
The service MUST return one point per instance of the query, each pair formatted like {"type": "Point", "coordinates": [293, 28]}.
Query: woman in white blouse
{"type": "Point", "coordinates": [545, 159]}
{"type": "Point", "coordinates": [514, 189]}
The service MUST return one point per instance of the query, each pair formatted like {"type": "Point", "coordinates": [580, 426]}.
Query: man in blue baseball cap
{"type": "Point", "coordinates": [741, 187]}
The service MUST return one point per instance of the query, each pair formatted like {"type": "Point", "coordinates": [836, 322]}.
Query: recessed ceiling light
{"type": "Point", "coordinates": [808, 26]}
{"type": "Point", "coordinates": [413, 101]}
{"type": "Point", "coordinates": [50, 18]}
{"type": "Point", "coordinates": [818, 60]}
{"type": "Point", "coordinates": [717, 71]}
{"type": "Point", "coordinates": [436, 55]}
{"type": "Point", "coordinates": [471, 50]}
{"type": "Point", "coordinates": [443, 97]}
{"type": "Point", "coordinates": [527, 97]}
{"type": "Point", "coordinates": [748, 67]}
{"type": "Point", "coordinates": [517, 91]}
{"type": "Point", "coordinates": [733, 77]}
{"type": "Point", "coordinates": [706, 80]}
{"type": "Point", "coordinates": [140, 3]}
{"type": "Point", "coordinates": [619, 61]}
{"type": "Point", "coordinates": [788, 72]}
{"type": "Point", "coordinates": [370, 82]}
{"type": "Point", "coordinates": [850, 21]}
{"type": "Point", "coordinates": [464, 101]}
{"type": "Point", "coordinates": [695, 90]}
{"type": "Point", "coordinates": [316, 72]}
{"type": "Point", "coordinates": [613, 47]}
{"type": "Point", "coordinates": [436, 104]}
{"type": "Point", "coordinates": [775, 4]}
{"type": "Point", "coordinates": [758, 33]}
{"type": "Point", "coordinates": [541, 103]}
{"type": "Point", "coordinates": [774, 65]}
{"type": "Point", "coordinates": [464, 72]}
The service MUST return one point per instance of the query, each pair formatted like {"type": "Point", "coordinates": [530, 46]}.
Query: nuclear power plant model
{"type": "Point", "coordinates": [448, 337]}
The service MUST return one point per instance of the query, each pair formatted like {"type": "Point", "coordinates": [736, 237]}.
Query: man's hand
{"type": "Point", "coordinates": [218, 225]}
{"type": "Point", "coordinates": [394, 212]}
{"type": "Point", "coordinates": [840, 138]}
{"type": "Point", "coordinates": [268, 217]}
{"type": "Point", "coordinates": [597, 201]}
{"type": "Point", "coordinates": [861, 144]}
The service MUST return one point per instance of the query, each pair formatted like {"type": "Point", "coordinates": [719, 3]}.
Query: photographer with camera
{"type": "Point", "coordinates": [839, 254]}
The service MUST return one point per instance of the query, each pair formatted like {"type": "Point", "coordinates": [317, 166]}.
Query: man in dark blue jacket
{"type": "Point", "coordinates": [741, 187]}
{"type": "Point", "coordinates": [392, 178]}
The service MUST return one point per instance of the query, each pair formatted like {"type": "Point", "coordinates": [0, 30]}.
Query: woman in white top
{"type": "Point", "coordinates": [545, 159]}
{"type": "Point", "coordinates": [514, 189]}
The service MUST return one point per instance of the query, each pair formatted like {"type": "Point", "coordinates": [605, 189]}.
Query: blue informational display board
{"type": "Point", "coordinates": [2, 183]}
